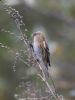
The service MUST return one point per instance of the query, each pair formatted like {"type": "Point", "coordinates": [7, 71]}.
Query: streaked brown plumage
{"type": "Point", "coordinates": [40, 46]}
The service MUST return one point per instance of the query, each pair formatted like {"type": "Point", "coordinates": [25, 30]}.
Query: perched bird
{"type": "Point", "coordinates": [41, 49]}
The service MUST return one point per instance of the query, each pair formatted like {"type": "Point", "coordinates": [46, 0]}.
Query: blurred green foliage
{"type": "Point", "coordinates": [58, 19]}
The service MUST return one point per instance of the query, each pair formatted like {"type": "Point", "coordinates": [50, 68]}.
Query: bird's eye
{"type": "Point", "coordinates": [33, 34]}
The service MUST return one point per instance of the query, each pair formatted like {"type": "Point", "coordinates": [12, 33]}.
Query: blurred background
{"type": "Point", "coordinates": [56, 18]}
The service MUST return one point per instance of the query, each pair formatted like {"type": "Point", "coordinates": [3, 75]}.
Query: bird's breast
{"type": "Point", "coordinates": [36, 47]}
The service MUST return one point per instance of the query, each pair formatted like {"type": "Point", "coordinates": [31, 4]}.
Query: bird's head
{"type": "Point", "coordinates": [36, 33]}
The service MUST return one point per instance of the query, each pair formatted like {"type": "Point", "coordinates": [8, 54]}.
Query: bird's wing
{"type": "Point", "coordinates": [45, 45]}
{"type": "Point", "coordinates": [45, 52]}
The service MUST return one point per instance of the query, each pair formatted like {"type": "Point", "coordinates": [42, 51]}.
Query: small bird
{"type": "Point", "coordinates": [41, 49]}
